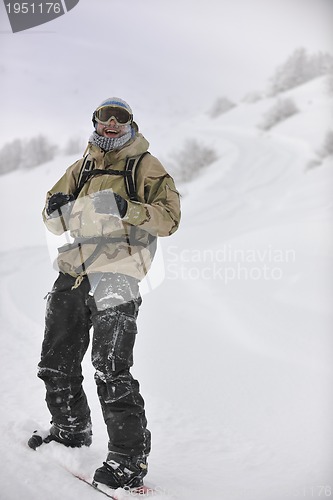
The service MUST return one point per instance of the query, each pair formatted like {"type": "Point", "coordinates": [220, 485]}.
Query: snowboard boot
{"type": "Point", "coordinates": [121, 472]}
{"type": "Point", "coordinates": [74, 439]}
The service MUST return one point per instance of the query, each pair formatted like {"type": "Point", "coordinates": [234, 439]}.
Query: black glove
{"type": "Point", "coordinates": [108, 202]}
{"type": "Point", "coordinates": [58, 200]}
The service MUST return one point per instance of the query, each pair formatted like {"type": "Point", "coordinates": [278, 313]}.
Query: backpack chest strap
{"type": "Point", "coordinates": [129, 174]}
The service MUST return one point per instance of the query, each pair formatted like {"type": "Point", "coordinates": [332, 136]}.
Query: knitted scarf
{"type": "Point", "coordinates": [110, 143]}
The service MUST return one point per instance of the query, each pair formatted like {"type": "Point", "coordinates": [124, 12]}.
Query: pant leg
{"type": "Point", "coordinates": [65, 342]}
{"type": "Point", "coordinates": [114, 335]}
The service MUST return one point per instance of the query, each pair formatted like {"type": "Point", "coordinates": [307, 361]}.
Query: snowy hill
{"type": "Point", "coordinates": [237, 381]}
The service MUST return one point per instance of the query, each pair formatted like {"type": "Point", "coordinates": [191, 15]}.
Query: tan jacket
{"type": "Point", "coordinates": [105, 243]}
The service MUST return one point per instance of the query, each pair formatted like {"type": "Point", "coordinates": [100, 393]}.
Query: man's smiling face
{"type": "Point", "coordinates": [112, 129]}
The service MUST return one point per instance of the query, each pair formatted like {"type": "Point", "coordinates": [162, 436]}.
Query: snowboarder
{"type": "Point", "coordinates": [115, 202]}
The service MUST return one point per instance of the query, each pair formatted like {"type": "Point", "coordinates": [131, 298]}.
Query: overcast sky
{"type": "Point", "coordinates": [166, 57]}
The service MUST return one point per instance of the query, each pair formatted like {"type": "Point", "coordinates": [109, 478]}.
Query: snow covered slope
{"type": "Point", "coordinates": [238, 377]}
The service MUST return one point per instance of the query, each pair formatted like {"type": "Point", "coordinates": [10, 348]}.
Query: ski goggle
{"type": "Point", "coordinates": [106, 113]}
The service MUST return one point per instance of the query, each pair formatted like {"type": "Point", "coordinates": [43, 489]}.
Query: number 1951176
{"type": "Point", "coordinates": [34, 8]}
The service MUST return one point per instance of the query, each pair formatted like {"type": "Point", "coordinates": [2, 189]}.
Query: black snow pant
{"type": "Point", "coordinates": [111, 311]}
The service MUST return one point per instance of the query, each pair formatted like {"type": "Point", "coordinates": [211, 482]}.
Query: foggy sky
{"type": "Point", "coordinates": [166, 57]}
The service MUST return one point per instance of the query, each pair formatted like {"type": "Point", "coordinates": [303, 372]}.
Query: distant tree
{"type": "Point", "coordinates": [299, 68]}
{"type": "Point", "coordinates": [191, 159]}
{"type": "Point", "coordinates": [74, 146]}
{"type": "Point", "coordinates": [11, 156]}
{"type": "Point", "coordinates": [23, 153]}
{"type": "Point", "coordinates": [327, 146]}
{"type": "Point", "coordinates": [252, 97]}
{"type": "Point", "coordinates": [324, 152]}
{"type": "Point", "coordinates": [280, 111]}
{"type": "Point", "coordinates": [37, 151]}
{"type": "Point", "coordinates": [330, 84]}
{"type": "Point", "coordinates": [220, 106]}
{"type": "Point", "coordinates": [320, 64]}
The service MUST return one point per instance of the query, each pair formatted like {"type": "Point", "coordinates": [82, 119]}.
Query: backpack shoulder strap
{"type": "Point", "coordinates": [87, 166]}
{"type": "Point", "coordinates": [130, 177]}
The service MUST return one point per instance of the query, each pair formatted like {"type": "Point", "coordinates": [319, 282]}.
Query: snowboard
{"type": "Point", "coordinates": [89, 483]}
{"type": "Point", "coordinates": [140, 492]}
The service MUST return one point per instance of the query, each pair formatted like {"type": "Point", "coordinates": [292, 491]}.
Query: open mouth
{"type": "Point", "coordinates": [111, 132]}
